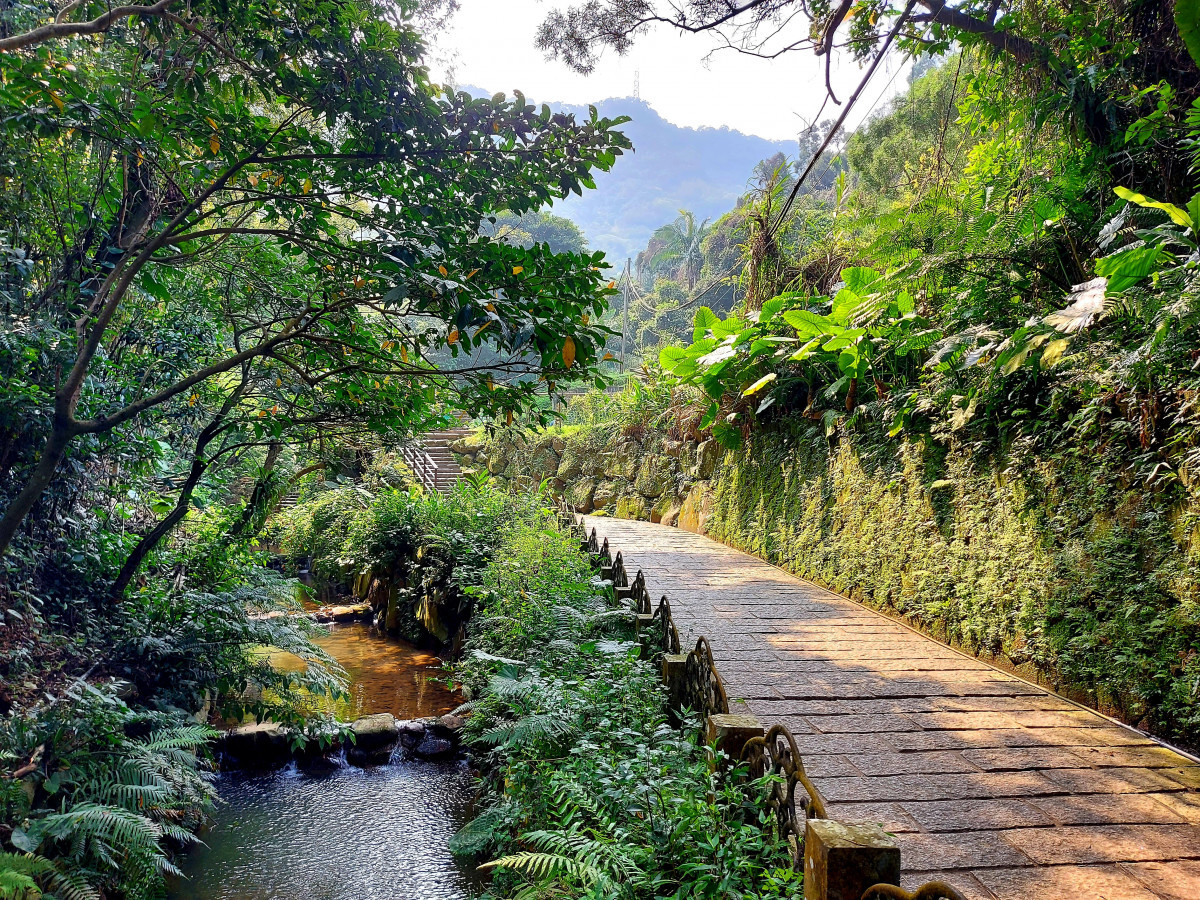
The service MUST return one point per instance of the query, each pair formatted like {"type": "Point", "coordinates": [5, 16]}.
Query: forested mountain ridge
{"type": "Point", "coordinates": [702, 170]}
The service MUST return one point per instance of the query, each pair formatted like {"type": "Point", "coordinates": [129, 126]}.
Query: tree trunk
{"type": "Point", "coordinates": [161, 530]}
{"type": "Point", "coordinates": [52, 454]}
{"type": "Point", "coordinates": [258, 495]}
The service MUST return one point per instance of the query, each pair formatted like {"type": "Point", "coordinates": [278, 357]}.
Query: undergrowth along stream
{"type": "Point", "coordinates": [589, 790]}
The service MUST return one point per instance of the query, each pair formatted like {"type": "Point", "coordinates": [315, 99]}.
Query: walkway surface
{"type": "Point", "coordinates": [990, 783]}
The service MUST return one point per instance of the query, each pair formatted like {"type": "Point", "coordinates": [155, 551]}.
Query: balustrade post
{"type": "Point", "coordinates": [842, 861]}
{"type": "Point", "coordinates": [730, 732]}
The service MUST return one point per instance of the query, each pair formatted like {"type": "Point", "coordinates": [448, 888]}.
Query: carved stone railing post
{"type": "Point", "coordinates": [841, 862]}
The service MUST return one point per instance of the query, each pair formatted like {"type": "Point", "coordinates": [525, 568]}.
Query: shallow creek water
{"type": "Point", "coordinates": [348, 833]}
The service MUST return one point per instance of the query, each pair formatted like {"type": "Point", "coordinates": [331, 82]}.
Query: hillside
{"type": "Point", "coordinates": [700, 169]}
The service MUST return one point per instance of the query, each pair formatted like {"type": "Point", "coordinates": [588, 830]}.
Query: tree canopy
{"type": "Point", "coordinates": [277, 199]}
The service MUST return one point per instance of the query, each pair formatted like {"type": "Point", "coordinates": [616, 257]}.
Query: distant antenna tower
{"type": "Point", "coordinates": [637, 84]}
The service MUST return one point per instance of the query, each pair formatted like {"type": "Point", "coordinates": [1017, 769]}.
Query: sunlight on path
{"type": "Point", "coordinates": [1002, 789]}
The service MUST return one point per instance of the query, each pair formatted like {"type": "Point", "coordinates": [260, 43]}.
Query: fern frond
{"type": "Point", "coordinates": [528, 730]}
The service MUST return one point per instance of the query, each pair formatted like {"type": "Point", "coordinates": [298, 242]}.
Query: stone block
{"type": "Point", "coordinates": [730, 731]}
{"type": "Point", "coordinates": [842, 861]}
{"type": "Point", "coordinates": [696, 509]}
{"type": "Point", "coordinates": [674, 666]}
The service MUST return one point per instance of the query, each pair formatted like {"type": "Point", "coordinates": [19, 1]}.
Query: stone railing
{"type": "Point", "coordinates": [840, 862]}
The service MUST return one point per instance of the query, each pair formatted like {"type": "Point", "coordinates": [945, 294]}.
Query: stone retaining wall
{"type": "Point", "coordinates": [629, 475]}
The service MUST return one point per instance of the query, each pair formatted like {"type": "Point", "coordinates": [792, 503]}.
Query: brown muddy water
{"type": "Point", "coordinates": [347, 833]}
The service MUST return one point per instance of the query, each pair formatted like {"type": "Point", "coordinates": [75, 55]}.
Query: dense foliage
{"type": "Point", "coordinates": [242, 245]}
{"type": "Point", "coordinates": [995, 322]}
{"type": "Point", "coordinates": [591, 791]}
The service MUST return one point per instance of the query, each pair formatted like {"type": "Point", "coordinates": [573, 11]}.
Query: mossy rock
{"type": "Point", "coordinates": [655, 477]}
{"type": "Point", "coordinates": [606, 492]}
{"type": "Point", "coordinates": [624, 460]}
{"type": "Point", "coordinates": [579, 494]}
{"type": "Point", "coordinates": [633, 507]}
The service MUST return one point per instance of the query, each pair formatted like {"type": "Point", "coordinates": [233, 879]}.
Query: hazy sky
{"type": "Point", "coordinates": [492, 42]}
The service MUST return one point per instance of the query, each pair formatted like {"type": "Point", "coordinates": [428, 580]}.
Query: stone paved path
{"type": "Point", "coordinates": [994, 785]}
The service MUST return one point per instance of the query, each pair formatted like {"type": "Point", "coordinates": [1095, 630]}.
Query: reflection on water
{"type": "Point", "coordinates": [386, 675]}
{"type": "Point", "coordinates": [358, 834]}
{"type": "Point", "coordinates": [354, 834]}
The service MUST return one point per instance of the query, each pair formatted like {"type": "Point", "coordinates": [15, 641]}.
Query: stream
{"type": "Point", "coordinates": [345, 833]}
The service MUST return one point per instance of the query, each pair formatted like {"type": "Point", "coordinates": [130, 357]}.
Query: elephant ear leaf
{"type": "Point", "coordinates": [704, 319]}
{"type": "Point", "coordinates": [1178, 216]}
{"type": "Point", "coordinates": [1187, 20]}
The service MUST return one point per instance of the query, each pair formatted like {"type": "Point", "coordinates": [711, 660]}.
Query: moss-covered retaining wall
{"type": "Point", "coordinates": [1047, 568]}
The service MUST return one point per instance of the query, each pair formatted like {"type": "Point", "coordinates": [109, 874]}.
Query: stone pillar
{"type": "Point", "coordinates": [730, 731]}
{"type": "Point", "coordinates": [673, 668]}
{"type": "Point", "coordinates": [842, 861]}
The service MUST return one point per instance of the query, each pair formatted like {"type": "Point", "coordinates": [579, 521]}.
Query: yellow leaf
{"type": "Point", "coordinates": [404, 353]}
{"type": "Point", "coordinates": [211, 122]}
{"type": "Point", "coordinates": [490, 383]}
{"type": "Point", "coordinates": [517, 270]}
{"type": "Point", "coordinates": [214, 144]}
{"type": "Point", "coordinates": [508, 417]}
{"type": "Point", "coordinates": [261, 413]}
{"type": "Point", "coordinates": [278, 382]}
{"type": "Point", "coordinates": [569, 352]}
{"type": "Point", "coordinates": [759, 385]}
{"type": "Point", "coordinates": [307, 185]}
{"type": "Point", "coordinates": [359, 282]}
{"type": "Point", "coordinates": [1053, 352]}
{"type": "Point", "coordinates": [378, 385]}
{"type": "Point", "coordinates": [253, 179]}
{"type": "Point", "coordinates": [442, 269]}
{"type": "Point", "coordinates": [481, 328]}
{"type": "Point", "coordinates": [491, 307]}
{"type": "Point", "coordinates": [279, 181]}
{"type": "Point", "coordinates": [472, 272]}
{"type": "Point", "coordinates": [58, 102]}
{"type": "Point", "coordinates": [453, 337]}
{"type": "Point", "coordinates": [585, 318]}
{"type": "Point", "coordinates": [608, 356]}
{"type": "Point", "coordinates": [495, 127]}
{"type": "Point", "coordinates": [192, 399]}
{"type": "Point", "coordinates": [611, 285]}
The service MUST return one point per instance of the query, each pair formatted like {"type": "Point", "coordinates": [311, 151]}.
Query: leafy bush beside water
{"type": "Point", "coordinates": [590, 791]}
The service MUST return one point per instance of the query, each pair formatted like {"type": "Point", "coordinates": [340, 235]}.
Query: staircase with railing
{"type": "Point", "coordinates": [432, 461]}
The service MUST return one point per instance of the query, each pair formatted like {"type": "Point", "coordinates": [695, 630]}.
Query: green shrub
{"type": "Point", "coordinates": [592, 792]}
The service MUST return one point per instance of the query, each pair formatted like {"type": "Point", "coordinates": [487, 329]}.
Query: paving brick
{"type": "Point", "coordinates": [1072, 844]}
{"type": "Point", "coordinates": [1129, 809]}
{"type": "Point", "coordinates": [975, 815]}
{"type": "Point", "coordinates": [1017, 758]}
{"type": "Point", "coordinates": [968, 850]}
{"type": "Point", "coordinates": [1178, 880]}
{"type": "Point", "coordinates": [890, 817]}
{"type": "Point", "coordinates": [1151, 757]}
{"type": "Point", "coordinates": [1063, 883]}
{"type": "Point", "coordinates": [1188, 776]}
{"type": "Point", "coordinates": [1112, 781]}
{"type": "Point", "coordinates": [964, 721]}
{"type": "Point", "coordinates": [929, 763]}
{"type": "Point", "coordinates": [861, 724]}
{"type": "Point", "coordinates": [1184, 804]}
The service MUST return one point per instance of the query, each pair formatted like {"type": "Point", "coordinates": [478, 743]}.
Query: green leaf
{"type": "Point", "coordinates": [702, 321]}
{"type": "Point", "coordinates": [807, 324]}
{"type": "Point", "coordinates": [1187, 20]}
{"type": "Point", "coordinates": [1178, 216]}
{"type": "Point", "coordinates": [858, 278]}
{"type": "Point", "coordinates": [1125, 269]}
{"type": "Point", "coordinates": [678, 361]}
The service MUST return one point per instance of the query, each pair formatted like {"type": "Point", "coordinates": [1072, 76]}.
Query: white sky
{"type": "Point", "coordinates": [492, 42]}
